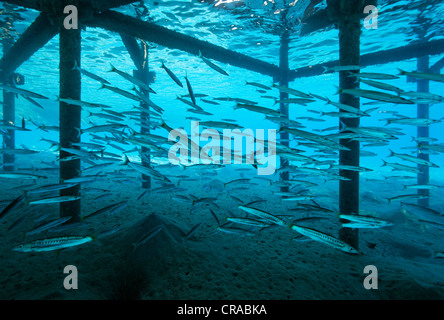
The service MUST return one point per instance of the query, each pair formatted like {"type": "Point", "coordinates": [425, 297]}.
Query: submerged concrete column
{"type": "Point", "coordinates": [283, 107]}
{"type": "Point", "coordinates": [349, 54]}
{"type": "Point", "coordinates": [70, 116]}
{"type": "Point", "coordinates": [423, 132]}
{"type": "Point", "coordinates": [8, 112]}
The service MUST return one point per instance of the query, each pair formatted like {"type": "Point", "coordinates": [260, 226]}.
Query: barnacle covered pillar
{"type": "Point", "coordinates": [8, 112]}
{"type": "Point", "coordinates": [283, 107]}
{"type": "Point", "coordinates": [143, 73]}
{"type": "Point", "coordinates": [423, 131]}
{"type": "Point", "coordinates": [139, 55]}
{"type": "Point", "coordinates": [348, 13]}
{"type": "Point", "coordinates": [70, 87]}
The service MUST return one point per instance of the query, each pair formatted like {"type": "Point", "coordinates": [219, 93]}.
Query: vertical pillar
{"type": "Point", "coordinates": [423, 112]}
{"type": "Point", "coordinates": [143, 74]}
{"type": "Point", "coordinates": [283, 107]}
{"type": "Point", "coordinates": [8, 112]}
{"type": "Point", "coordinates": [70, 116]}
{"type": "Point", "coordinates": [349, 54]}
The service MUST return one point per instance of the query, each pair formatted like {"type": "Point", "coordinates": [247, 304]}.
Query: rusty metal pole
{"type": "Point", "coordinates": [70, 115]}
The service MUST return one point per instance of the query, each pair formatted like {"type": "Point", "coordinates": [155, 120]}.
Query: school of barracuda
{"type": "Point", "coordinates": [248, 220]}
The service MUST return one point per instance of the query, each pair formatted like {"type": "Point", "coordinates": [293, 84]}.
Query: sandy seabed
{"type": "Point", "coordinates": [212, 265]}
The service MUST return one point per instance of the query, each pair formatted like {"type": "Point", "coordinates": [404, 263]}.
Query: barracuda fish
{"type": "Point", "coordinates": [421, 75]}
{"type": "Point", "coordinates": [51, 188]}
{"type": "Point", "coordinates": [12, 127]}
{"type": "Point", "coordinates": [89, 74]}
{"type": "Point", "coordinates": [121, 92]}
{"type": "Point", "coordinates": [367, 131]}
{"type": "Point", "coordinates": [17, 151]}
{"type": "Point", "coordinates": [102, 128]}
{"type": "Point", "coordinates": [150, 234]}
{"type": "Point", "coordinates": [347, 108]}
{"type": "Point", "coordinates": [192, 231]}
{"type": "Point", "coordinates": [424, 214]}
{"type": "Point", "coordinates": [259, 85]}
{"type": "Point", "coordinates": [381, 85]}
{"type": "Point", "coordinates": [350, 168]}
{"type": "Point", "coordinates": [291, 91]}
{"type": "Point", "coordinates": [325, 238]}
{"type": "Point", "coordinates": [55, 200]}
{"type": "Point", "coordinates": [298, 198]}
{"type": "Point", "coordinates": [14, 203]}
{"type": "Point", "coordinates": [375, 95]}
{"type": "Point", "coordinates": [422, 186]}
{"type": "Point", "coordinates": [190, 90]}
{"type": "Point", "coordinates": [300, 101]}
{"type": "Point", "coordinates": [314, 137]}
{"type": "Point", "coordinates": [361, 221]}
{"type": "Point", "coordinates": [433, 147]}
{"type": "Point", "coordinates": [401, 167]}
{"type": "Point", "coordinates": [146, 170]}
{"type": "Point", "coordinates": [33, 102]}
{"type": "Point", "coordinates": [413, 159]}
{"type": "Point", "coordinates": [172, 75]}
{"type": "Point", "coordinates": [132, 79]}
{"type": "Point", "coordinates": [80, 153]}
{"type": "Point", "coordinates": [104, 116]}
{"type": "Point", "coordinates": [19, 175]}
{"type": "Point", "coordinates": [248, 222]}
{"type": "Point", "coordinates": [191, 104]}
{"type": "Point", "coordinates": [407, 197]}
{"type": "Point", "coordinates": [49, 225]}
{"type": "Point", "coordinates": [258, 109]}
{"type": "Point", "coordinates": [109, 210]}
{"type": "Point", "coordinates": [147, 101]}
{"type": "Point", "coordinates": [22, 92]}
{"type": "Point", "coordinates": [81, 103]}
{"type": "Point", "coordinates": [212, 65]}
{"type": "Point", "coordinates": [414, 121]}
{"type": "Point", "coordinates": [341, 114]}
{"type": "Point", "coordinates": [264, 215]}
{"type": "Point", "coordinates": [376, 76]}
{"type": "Point", "coordinates": [51, 244]}
{"type": "Point", "coordinates": [220, 124]}
{"type": "Point", "coordinates": [342, 68]}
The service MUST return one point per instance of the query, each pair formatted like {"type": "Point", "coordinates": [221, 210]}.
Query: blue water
{"type": "Point", "coordinates": [251, 28]}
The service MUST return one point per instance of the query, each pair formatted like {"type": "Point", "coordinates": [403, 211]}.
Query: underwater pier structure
{"type": "Point", "coordinates": [346, 15]}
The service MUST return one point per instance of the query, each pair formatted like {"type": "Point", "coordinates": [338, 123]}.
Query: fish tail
{"type": "Point", "coordinates": [125, 160]}
{"type": "Point", "coordinates": [325, 69]}
{"type": "Point", "coordinates": [401, 72]}
{"type": "Point", "coordinates": [102, 85]}
{"type": "Point", "coordinates": [391, 153]}
{"type": "Point", "coordinates": [200, 54]}
{"type": "Point", "coordinates": [79, 132]}
{"type": "Point", "coordinates": [113, 69]}
{"type": "Point", "coordinates": [384, 163]}
{"type": "Point", "coordinates": [338, 90]}
{"type": "Point", "coordinates": [76, 66]}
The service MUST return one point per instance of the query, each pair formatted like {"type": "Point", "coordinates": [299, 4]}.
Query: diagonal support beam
{"type": "Point", "coordinates": [380, 57]}
{"type": "Point", "coordinates": [120, 23]}
{"type": "Point", "coordinates": [34, 38]}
